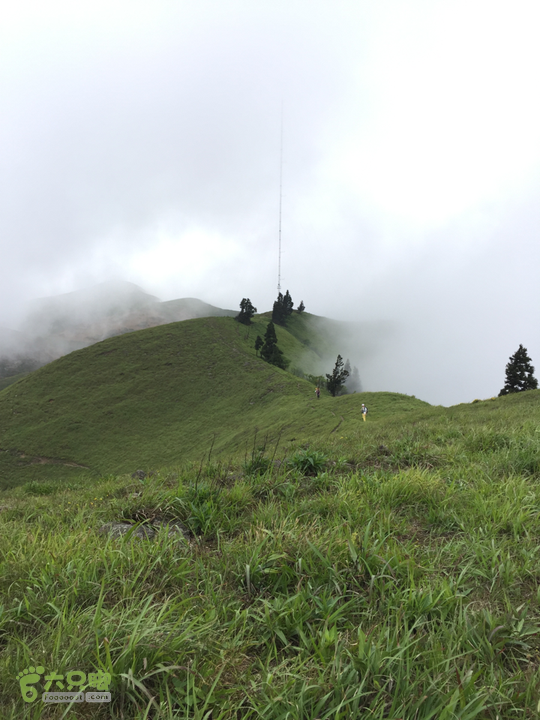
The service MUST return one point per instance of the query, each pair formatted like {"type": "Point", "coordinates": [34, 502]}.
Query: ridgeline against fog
{"type": "Point", "coordinates": [169, 393]}
{"type": "Point", "coordinates": [174, 392]}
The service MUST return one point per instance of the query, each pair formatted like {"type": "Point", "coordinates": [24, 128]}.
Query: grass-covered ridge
{"type": "Point", "coordinates": [162, 395]}
{"type": "Point", "coordinates": [390, 571]}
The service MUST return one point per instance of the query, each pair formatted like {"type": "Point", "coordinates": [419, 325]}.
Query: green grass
{"type": "Point", "coordinates": [335, 568]}
{"type": "Point", "coordinates": [390, 573]}
{"type": "Point", "coordinates": [161, 396]}
{"type": "Point", "coordinates": [7, 381]}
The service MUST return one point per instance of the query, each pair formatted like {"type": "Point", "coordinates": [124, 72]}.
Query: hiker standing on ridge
{"type": "Point", "coordinates": [317, 392]}
{"type": "Point", "coordinates": [364, 412]}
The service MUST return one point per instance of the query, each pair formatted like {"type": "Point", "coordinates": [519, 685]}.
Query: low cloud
{"type": "Point", "coordinates": [143, 142]}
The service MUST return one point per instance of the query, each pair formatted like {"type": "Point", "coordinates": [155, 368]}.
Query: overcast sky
{"type": "Point", "coordinates": [141, 141]}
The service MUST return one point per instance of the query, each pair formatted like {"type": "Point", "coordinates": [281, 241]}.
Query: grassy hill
{"type": "Point", "coordinates": [6, 381]}
{"type": "Point", "coordinates": [164, 395]}
{"type": "Point", "coordinates": [327, 567]}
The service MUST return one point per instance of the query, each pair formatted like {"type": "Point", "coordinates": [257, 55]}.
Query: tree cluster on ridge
{"type": "Point", "coordinates": [282, 309]}
{"type": "Point", "coordinates": [247, 311]}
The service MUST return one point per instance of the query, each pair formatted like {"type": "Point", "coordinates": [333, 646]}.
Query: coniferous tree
{"type": "Point", "coordinates": [282, 308]}
{"type": "Point", "coordinates": [353, 382]}
{"type": "Point", "coordinates": [336, 380]}
{"type": "Point", "coordinates": [301, 307]}
{"type": "Point", "coordinates": [259, 342]}
{"type": "Point", "coordinates": [519, 373]}
{"type": "Point", "coordinates": [278, 311]}
{"type": "Point", "coordinates": [347, 369]}
{"type": "Point", "coordinates": [288, 304]}
{"type": "Point", "coordinates": [247, 311]}
{"type": "Point", "coordinates": [269, 350]}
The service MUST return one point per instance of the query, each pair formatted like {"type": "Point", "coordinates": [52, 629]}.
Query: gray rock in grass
{"type": "Point", "coordinates": [175, 529]}
{"type": "Point", "coordinates": [119, 529]}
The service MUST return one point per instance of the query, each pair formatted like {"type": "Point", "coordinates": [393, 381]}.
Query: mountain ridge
{"type": "Point", "coordinates": [57, 325]}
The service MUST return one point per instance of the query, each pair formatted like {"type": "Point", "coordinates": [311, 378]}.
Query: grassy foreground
{"type": "Point", "coordinates": [390, 571]}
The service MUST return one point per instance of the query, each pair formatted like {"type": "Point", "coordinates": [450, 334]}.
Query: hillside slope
{"type": "Point", "coordinates": [160, 396]}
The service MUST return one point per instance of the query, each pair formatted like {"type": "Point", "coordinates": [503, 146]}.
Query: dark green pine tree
{"type": "Point", "coordinates": [247, 311]}
{"type": "Point", "coordinates": [278, 311]}
{"type": "Point", "coordinates": [269, 350]}
{"type": "Point", "coordinates": [519, 373]}
{"type": "Point", "coordinates": [336, 380]}
{"type": "Point", "coordinates": [282, 308]}
{"type": "Point", "coordinates": [288, 304]}
{"type": "Point", "coordinates": [259, 342]}
{"type": "Point", "coordinates": [353, 382]}
{"type": "Point", "coordinates": [301, 307]}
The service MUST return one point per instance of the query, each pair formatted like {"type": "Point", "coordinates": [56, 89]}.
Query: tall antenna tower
{"type": "Point", "coordinates": [280, 198]}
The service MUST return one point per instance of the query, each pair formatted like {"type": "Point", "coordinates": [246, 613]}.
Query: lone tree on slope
{"type": "Point", "coordinates": [259, 342]}
{"type": "Point", "coordinates": [270, 351]}
{"type": "Point", "coordinates": [301, 307]}
{"type": "Point", "coordinates": [336, 380]}
{"type": "Point", "coordinates": [247, 311]}
{"type": "Point", "coordinates": [353, 383]}
{"type": "Point", "coordinates": [519, 373]}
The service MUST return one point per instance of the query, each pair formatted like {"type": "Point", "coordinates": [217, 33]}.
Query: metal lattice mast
{"type": "Point", "coordinates": [280, 199]}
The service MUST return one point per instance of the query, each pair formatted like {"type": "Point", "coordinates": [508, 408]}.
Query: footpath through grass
{"type": "Point", "coordinates": [389, 572]}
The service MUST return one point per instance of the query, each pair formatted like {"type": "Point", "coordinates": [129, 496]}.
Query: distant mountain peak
{"type": "Point", "coordinates": [110, 290]}
{"type": "Point", "coordinates": [58, 324]}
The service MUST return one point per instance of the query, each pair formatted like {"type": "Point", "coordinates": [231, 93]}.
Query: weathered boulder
{"type": "Point", "coordinates": [174, 527]}
{"type": "Point", "coordinates": [142, 475]}
{"type": "Point", "coordinates": [147, 531]}
{"type": "Point", "coordinates": [118, 529]}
